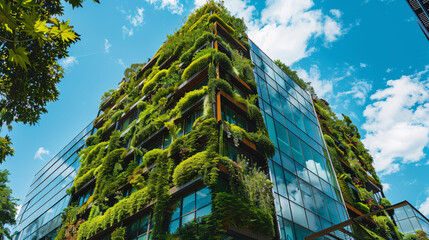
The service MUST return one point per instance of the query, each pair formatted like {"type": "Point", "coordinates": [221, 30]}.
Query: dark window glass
{"type": "Point", "coordinates": [298, 214]}
{"type": "Point", "coordinates": [275, 98]}
{"type": "Point", "coordinates": [288, 229]}
{"type": "Point", "coordinates": [288, 163]}
{"type": "Point", "coordinates": [271, 130]}
{"type": "Point", "coordinates": [167, 141]}
{"type": "Point", "coordinates": [298, 118]}
{"type": "Point", "coordinates": [282, 137]}
{"type": "Point", "coordinates": [203, 197]}
{"type": "Point", "coordinates": [188, 204]}
{"type": "Point", "coordinates": [287, 110]}
{"type": "Point", "coordinates": [332, 208]}
{"type": "Point", "coordinates": [301, 232]}
{"type": "Point", "coordinates": [320, 203]}
{"type": "Point", "coordinates": [264, 90]}
{"type": "Point", "coordinates": [296, 148]}
{"type": "Point", "coordinates": [313, 222]}
{"type": "Point", "coordinates": [230, 116]}
{"type": "Point", "coordinates": [196, 204]}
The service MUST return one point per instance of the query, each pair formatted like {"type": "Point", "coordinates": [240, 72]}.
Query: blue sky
{"type": "Point", "coordinates": [368, 58]}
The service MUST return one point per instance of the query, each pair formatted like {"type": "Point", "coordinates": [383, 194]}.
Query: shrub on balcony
{"type": "Point", "coordinates": [215, 18]}
{"type": "Point", "coordinates": [92, 140]}
{"type": "Point", "coordinates": [188, 170]}
{"type": "Point", "coordinates": [220, 84]}
{"type": "Point", "coordinates": [196, 66]}
{"type": "Point", "coordinates": [236, 212]}
{"type": "Point", "coordinates": [221, 59]}
{"type": "Point", "coordinates": [186, 57]}
{"type": "Point", "coordinates": [361, 207]}
{"type": "Point", "coordinates": [151, 84]}
{"type": "Point", "coordinates": [187, 101]}
{"type": "Point", "coordinates": [385, 203]}
{"type": "Point", "coordinates": [118, 234]}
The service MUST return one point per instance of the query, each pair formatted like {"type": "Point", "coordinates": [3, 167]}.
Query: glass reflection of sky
{"type": "Point", "coordinates": [307, 198]}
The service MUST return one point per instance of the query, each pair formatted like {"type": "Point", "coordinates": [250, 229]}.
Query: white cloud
{"type": "Point", "coordinates": [136, 20]}
{"type": "Point", "coordinates": [386, 187]}
{"type": "Point", "coordinates": [107, 46]}
{"type": "Point", "coordinates": [120, 62]}
{"type": "Point", "coordinates": [18, 210]}
{"type": "Point", "coordinates": [41, 152]}
{"type": "Point", "coordinates": [360, 90]}
{"type": "Point", "coordinates": [127, 32]}
{"type": "Point", "coordinates": [286, 27]}
{"type": "Point", "coordinates": [336, 13]}
{"type": "Point", "coordinates": [332, 30]}
{"type": "Point", "coordinates": [68, 62]}
{"type": "Point", "coordinates": [174, 6]}
{"type": "Point", "coordinates": [241, 8]}
{"type": "Point", "coordinates": [397, 122]}
{"type": "Point", "coordinates": [363, 65]}
{"type": "Point", "coordinates": [199, 3]}
{"type": "Point", "coordinates": [323, 88]}
{"type": "Point", "coordinates": [389, 70]}
{"type": "Point", "coordinates": [424, 207]}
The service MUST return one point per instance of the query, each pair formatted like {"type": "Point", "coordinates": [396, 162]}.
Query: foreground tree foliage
{"type": "Point", "coordinates": [7, 204]}
{"type": "Point", "coordinates": [32, 41]}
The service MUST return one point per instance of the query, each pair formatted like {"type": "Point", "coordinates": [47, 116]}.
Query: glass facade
{"type": "Point", "coordinates": [47, 197]}
{"type": "Point", "coordinates": [306, 192]}
{"type": "Point", "coordinates": [410, 220]}
{"type": "Point", "coordinates": [186, 209]}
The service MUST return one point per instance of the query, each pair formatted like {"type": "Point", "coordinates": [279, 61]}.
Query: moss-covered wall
{"type": "Point", "coordinates": [127, 177]}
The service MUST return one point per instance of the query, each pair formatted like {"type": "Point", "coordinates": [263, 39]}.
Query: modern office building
{"type": "Point", "coordinates": [40, 215]}
{"type": "Point", "coordinates": [209, 138]}
{"type": "Point", "coordinates": [421, 9]}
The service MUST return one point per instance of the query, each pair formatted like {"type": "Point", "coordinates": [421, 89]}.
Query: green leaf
{"type": "Point", "coordinates": [29, 20]}
{"type": "Point", "coordinates": [19, 57]}
{"type": "Point", "coordinates": [5, 15]}
{"type": "Point", "coordinates": [40, 31]}
{"type": "Point", "coordinates": [64, 31]}
{"type": "Point", "coordinates": [40, 26]}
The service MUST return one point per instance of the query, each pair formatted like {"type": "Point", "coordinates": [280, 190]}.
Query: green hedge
{"type": "Point", "coordinates": [221, 84]}
{"type": "Point", "coordinates": [151, 84]}
{"type": "Point", "coordinates": [221, 59]}
{"type": "Point", "coordinates": [215, 18]}
{"type": "Point", "coordinates": [361, 207]}
{"type": "Point", "coordinates": [188, 170]}
{"type": "Point", "coordinates": [118, 212]}
{"type": "Point", "coordinates": [196, 66]}
{"type": "Point", "coordinates": [235, 211]}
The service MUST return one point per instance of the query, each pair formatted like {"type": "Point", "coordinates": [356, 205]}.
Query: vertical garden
{"type": "Point", "coordinates": [180, 150]}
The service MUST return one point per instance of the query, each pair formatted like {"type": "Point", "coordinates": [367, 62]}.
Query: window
{"type": "Point", "coordinates": [140, 229]}
{"type": "Point", "coordinates": [186, 209]}
{"type": "Point", "coordinates": [127, 122]}
{"type": "Point", "coordinates": [189, 122]}
{"type": "Point", "coordinates": [230, 116]}
{"type": "Point", "coordinates": [234, 153]}
{"type": "Point", "coordinates": [282, 137]}
{"type": "Point", "coordinates": [84, 197]}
